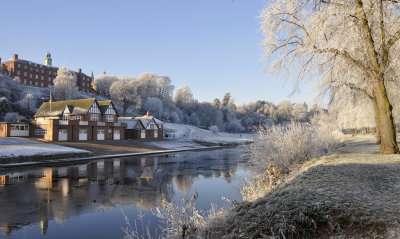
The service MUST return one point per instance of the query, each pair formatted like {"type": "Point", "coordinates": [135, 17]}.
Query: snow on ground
{"type": "Point", "coordinates": [176, 144]}
{"type": "Point", "coordinates": [181, 136]}
{"type": "Point", "coordinates": [16, 147]}
{"type": "Point", "coordinates": [189, 132]}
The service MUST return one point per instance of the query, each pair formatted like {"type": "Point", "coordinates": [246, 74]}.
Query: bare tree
{"type": "Point", "coordinates": [345, 43]}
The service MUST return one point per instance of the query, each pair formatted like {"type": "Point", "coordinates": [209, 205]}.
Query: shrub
{"type": "Point", "coordinates": [290, 146]}
{"type": "Point", "coordinates": [179, 220]}
{"type": "Point", "coordinates": [256, 187]}
{"type": "Point", "coordinates": [280, 150]}
{"type": "Point", "coordinates": [214, 129]}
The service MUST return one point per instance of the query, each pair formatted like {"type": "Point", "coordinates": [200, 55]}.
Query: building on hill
{"type": "Point", "coordinates": [144, 127]}
{"type": "Point", "coordinates": [41, 75]}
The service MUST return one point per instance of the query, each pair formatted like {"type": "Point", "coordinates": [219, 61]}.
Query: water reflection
{"type": "Point", "coordinates": [39, 195]}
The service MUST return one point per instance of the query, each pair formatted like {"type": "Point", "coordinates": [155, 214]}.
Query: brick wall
{"type": "Point", "coordinates": [4, 130]}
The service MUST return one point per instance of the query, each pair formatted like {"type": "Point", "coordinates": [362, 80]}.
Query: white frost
{"type": "Point", "coordinates": [16, 147]}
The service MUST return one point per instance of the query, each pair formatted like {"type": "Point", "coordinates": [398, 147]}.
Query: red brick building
{"type": "Point", "coordinates": [40, 75]}
{"type": "Point", "coordinates": [145, 127]}
{"type": "Point", "coordinates": [78, 120]}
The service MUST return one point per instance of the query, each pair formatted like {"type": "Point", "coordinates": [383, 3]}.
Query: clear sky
{"type": "Point", "coordinates": [213, 46]}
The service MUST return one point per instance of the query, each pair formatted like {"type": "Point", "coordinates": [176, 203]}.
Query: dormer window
{"type": "Point", "coordinates": [66, 117]}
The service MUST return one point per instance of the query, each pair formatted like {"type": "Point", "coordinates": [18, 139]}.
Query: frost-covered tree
{"type": "Point", "coordinates": [30, 102]}
{"type": "Point", "coordinates": [226, 99]}
{"type": "Point", "coordinates": [104, 82]}
{"type": "Point", "coordinates": [183, 97]}
{"type": "Point", "coordinates": [154, 106]}
{"type": "Point", "coordinates": [216, 103]}
{"type": "Point", "coordinates": [64, 87]}
{"type": "Point", "coordinates": [4, 107]}
{"type": "Point", "coordinates": [147, 85]}
{"type": "Point", "coordinates": [344, 43]}
{"type": "Point", "coordinates": [284, 110]}
{"type": "Point", "coordinates": [299, 111]}
{"type": "Point", "coordinates": [165, 88]}
{"type": "Point", "coordinates": [125, 91]}
{"type": "Point", "coordinates": [11, 117]}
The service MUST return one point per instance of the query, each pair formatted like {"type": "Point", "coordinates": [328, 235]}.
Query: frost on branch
{"type": "Point", "coordinates": [64, 87]}
{"type": "Point", "coordinates": [281, 150]}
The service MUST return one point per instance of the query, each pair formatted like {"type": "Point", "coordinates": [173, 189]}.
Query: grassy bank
{"type": "Point", "coordinates": [353, 193]}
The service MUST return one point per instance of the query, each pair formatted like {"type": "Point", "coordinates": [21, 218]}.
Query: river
{"type": "Point", "coordinates": [86, 200]}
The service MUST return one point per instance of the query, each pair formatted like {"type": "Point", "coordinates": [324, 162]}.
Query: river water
{"type": "Point", "coordinates": [85, 201]}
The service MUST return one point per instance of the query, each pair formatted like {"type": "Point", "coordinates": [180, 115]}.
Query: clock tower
{"type": "Point", "coordinates": [48, 60]}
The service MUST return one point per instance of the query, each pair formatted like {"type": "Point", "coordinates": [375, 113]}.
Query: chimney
{"type": "Point", "coordinates": [79, 70]}
{"type": "Point", "coordinates": [15, 57]}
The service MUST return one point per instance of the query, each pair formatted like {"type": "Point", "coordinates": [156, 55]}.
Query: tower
{"type": "Point", "coordinates": [48, 60]}
{"type": "Point", "coordinates": [92, 84]}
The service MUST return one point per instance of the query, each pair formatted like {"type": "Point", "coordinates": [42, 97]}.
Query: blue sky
{"type": "Point", "coordinates": [213, 46]}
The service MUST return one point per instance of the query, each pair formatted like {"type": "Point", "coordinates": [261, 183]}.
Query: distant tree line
{"type": "Point", "coordinates": [153, 93]}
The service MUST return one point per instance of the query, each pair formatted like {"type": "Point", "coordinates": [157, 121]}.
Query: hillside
{"type": "Point", "coordinates": [353, 193]}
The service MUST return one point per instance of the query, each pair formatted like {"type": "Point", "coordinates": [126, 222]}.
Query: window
{"type": "Point", "coordinates": [42, 71]}
{"type": "Point", "coordinates": [30, 75]}
{"type": "Point", "coordinates": [19, 65]}
{"type": "Point", "coordinates": [49, 78]}
{"type": "Point", "coordinates": [83, 131]}
{"type": "Point", "coordinates": [49, 72]}
{"type": "Point", "coordinates": [40, 131]}
{"type": "Point", "coordinates": [36, 83]}
{"type": "Point", "coordinates": [94, 117]}
{"type": "Point", "coordinates": [25, 81]}
{"type": "Point", "coordinates": [109, 118]}
{"type": "Point", "coordinates": [109, 131]}
{"type": "Point", "coordinates": [41, 84]}
{"type": "Point", "coordinates": [25, 67]}
{"type": "Point", "coordinates": [18, 72]}
{"type": "Point", "coordinates": [42, 77]}
{"type": "Point", "coordinates": [37, 70]}
{"type": "Point", "coordinates": [30, 82]}
{"type": "Point", "coordinates": [31, 69]}
{"type": "Point", "coordinates": [65, 117]}
{"type": "Point", "coordinates": [54, 73]}
{"type": "Point", "coordinates": [36, 77]}
{"type": "Point", "coordinates": [25, 74]}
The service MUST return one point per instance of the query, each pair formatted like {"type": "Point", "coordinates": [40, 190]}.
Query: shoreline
{"type": "Point", "coordinates": [75, 160]}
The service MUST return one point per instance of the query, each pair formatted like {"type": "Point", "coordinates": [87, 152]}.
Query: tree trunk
{"type": "Point", "coordinates": [377, 122]}
{"type": "Point", "coordinates": [387, 129]}
{"type": "Point", "coordinates": [124, 107]}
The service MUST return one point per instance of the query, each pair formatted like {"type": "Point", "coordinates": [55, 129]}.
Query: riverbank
{"type": "Point", "coordinates": [28, 152]}
{"type": "Point", "coordinates": [353, 193]}
{"type": "Point", "coordinates": [31, 151]}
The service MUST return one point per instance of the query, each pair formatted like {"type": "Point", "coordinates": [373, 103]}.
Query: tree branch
{"type": "Point", "coordinates": [358, 89]}
{"type": "Point", "coordinates": [346, 56]}
{"type": "Point", "coordinates": [369, 41]}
